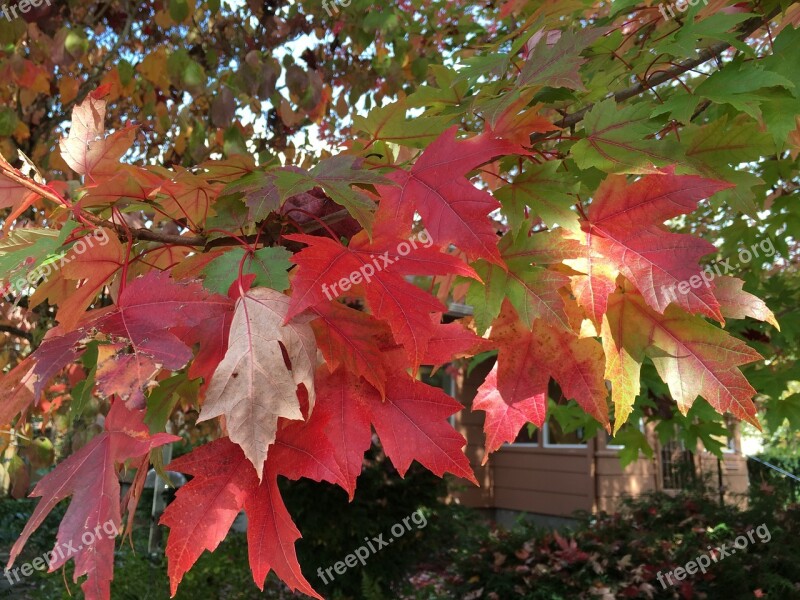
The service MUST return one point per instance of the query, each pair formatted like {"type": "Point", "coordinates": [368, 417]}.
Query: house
{"type": "Point", "coordinates": [553, 474]}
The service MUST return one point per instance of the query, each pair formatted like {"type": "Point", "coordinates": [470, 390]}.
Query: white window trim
{"type": "Point", "coordinates": [546, 444]}
{"type": "Point", "coordinates": [617, 446]}
{"type": "Point", "coordinates": [520, 445]}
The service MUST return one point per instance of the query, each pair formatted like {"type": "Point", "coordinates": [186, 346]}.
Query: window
{"type": "Point", "coordinates": [554, 436]}
{"type": "Point", "coordinates": [528, 436]}
{"type": "Point", "coordinates": [609, 440]}
{"type": "Point", "coordinates": [677, 466]}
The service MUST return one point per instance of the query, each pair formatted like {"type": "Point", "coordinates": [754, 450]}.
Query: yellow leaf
{"type": "Point", "coordinates": [154, 68]}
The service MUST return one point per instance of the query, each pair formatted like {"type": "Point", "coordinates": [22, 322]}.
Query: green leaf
{"type": "Point", "coordinates": [717, 148]}
{"type": "Point", "coordinates": [162, 400]}
{"type": "Point", "coordinates": [743, 85]}
{"type": "Point", "coordinates": [450, 92]}
{"type": "Point", "coordinates": [532, 290]}
{"type": "Point", "coordinates": [76, 44]}
{"type": "Point", "coordinates": [8, 121]}
{"type": "Point", "coordinates": [334, 175]}
{"type": "Point", "coordinates": [126, 71]}
{"type": "Point", "coordinates": [23, 250]}
{"type": "Point", "coordinates": [780, 410]}
{"type": "Point", "coordinates": [270, 266]}
{"type": "Point", "coordinates": [231, 214]}
{"type": "Point", "coordinates": [715, 27]}
{"type": "Point", "coordinates": [82, 391]}
{"type": "Point", "coordinates": [617, 141]}
{"type": "Point", "coordinates": [547, 191]}
{"type": "Point", "coordinates": [632, 441]}
{"type": "Point", "coordinates": [178, 10]}
{"type": "Point", "coordinates": [389, 123]}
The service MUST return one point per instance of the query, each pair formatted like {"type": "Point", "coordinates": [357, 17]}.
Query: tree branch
{"type": "Point", "coordinates": [16, 332]}
{"type": "Point", "coordinates": [713, 51]}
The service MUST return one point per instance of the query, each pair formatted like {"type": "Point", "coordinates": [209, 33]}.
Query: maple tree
{"type": "Point", "coordinates": [184, 262]}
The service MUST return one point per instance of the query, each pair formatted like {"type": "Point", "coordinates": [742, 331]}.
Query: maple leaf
{"type": "Point", "coordinates": [348, 337]}
{"type": "Point", "coordinates": [532, 290]}
{"type": "Point", "coordinates": [90, 477]}
{"type": "Point", "coordinates": [342, 401]}
{"type": "Point", "coordinates": [87, 150]}
{"type": "Point", "coordinates": [623, 233]}
{"type": "Point", "coordinates": [735, 303]}
{"type": "Point", "coordinates": [56, 351]}
{"type": "Point", "coordinates": [518, 121]}
{"type": "Point", "coordinates": [16, 390]}
{"type": "Point", "coordinates": [91, 268]}
{"type": "Point", "coordinates": [714, 147]}
{"type": "Point", "coordinates": [451, 341]}
{"type": "Point", "coordinates": [692, 356]}
{"type": "Point", "coordinates": [129, 183]}
{"type": "Point", "coordinates": [453, 210]}
{"type": "Point", "coordinates": [411, 422]}
{"type": "Point", "coordinates": [548, 192]}
{"type": "Point", "coordinates": [224, 481]}
{"type": "Point", "coordinates": [515, 391]}
{"type": "Point", "coordinates": [153, 313]}
{"type": "Point", "coordinates": [16, 195]}
{"type": "Point", "coordinates": [620, 140]}
{"type": "Point", "coordinates": [153, 309]}
{"type": "Point", "coordinates": [24, 250]}
{"type": "Point", "coordinates": [558, 65]}
{"type": "Point", "coordinates": [412, 425]}
{"type": "Point", "coordinates": [269, 265]}
{"type": "Point", "coordinates": [187, 196]}
{"type": "Point", "coordinates": [388, 123]}
{"type": "Point", "coordinates": [12, 192]}
{"type": "Point", "coordinates": [336, 175]}
{"type": "Point", "coordinates": [379, 270]}
{"type": "Point", "coordinates": [508, 409]}
{"type": "Point", "coordinates": [252, 387]}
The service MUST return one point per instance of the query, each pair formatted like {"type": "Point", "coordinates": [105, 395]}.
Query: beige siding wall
{"type": "Point", "coordinates": [615, 482]}
{"type": "Point", "coordinates": [558, 481]}
{"type": "Point", "coordinates": [549, 481]}
{"type": "Point", "coordinates": [470, 425]}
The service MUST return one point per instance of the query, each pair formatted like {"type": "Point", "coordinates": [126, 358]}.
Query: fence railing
{"type": "Point", "coordinates": [794, 480]}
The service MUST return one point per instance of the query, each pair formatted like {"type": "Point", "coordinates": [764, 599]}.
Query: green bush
{"type": "Point", "coordinates": [620, 555]}
{"type": "Point", "coordinates": [332, 527]}
{"type": "Point", "coordinates": [782, 486]}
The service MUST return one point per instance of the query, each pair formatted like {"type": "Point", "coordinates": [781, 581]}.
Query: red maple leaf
{"type": "Point", "coordinates": [625, 234]}
{"type": "Point", "coordinates": [90, 477]}
{"type": "Point", "coordinates": [515, 392]}
{"type": "Point", "coordinates": [411, 423]}
{"type": "Point", "coordinates": [153, 314]}
{"type": "Point", "coordinates": [327, 268]}
{"type": "Point", "coordinates": [453, 210]}
{"type": "Point", "coordinates": [226, 482]}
